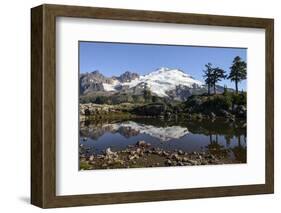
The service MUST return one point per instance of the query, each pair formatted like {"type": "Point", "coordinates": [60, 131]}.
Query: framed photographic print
{"type": "Point", "coordinates": [137, 106]}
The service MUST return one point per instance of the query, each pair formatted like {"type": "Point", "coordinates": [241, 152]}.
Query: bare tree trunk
{"type": "Point", "coordinates": [209, 89]}
{"type": "Point", "coordinates": [236, 86]}
{"type": "Point", "coordinates": [215, 89]}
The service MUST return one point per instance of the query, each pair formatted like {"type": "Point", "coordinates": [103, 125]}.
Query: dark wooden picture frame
{"type": "Point", "coordinates": [43, 105]}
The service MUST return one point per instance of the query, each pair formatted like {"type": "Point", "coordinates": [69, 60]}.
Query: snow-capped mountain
{"type": "Point", "coordinates": [163, 82]}
{"type": "Point", "coordinates": [162, 133]}
{"type": "Point", "coordinates": [131, 128]}
{"type": "Point", "coordinates": [160, 82]}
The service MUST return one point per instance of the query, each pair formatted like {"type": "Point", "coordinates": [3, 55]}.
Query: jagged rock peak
{"type": "Point", "coordinates": [128, 76]}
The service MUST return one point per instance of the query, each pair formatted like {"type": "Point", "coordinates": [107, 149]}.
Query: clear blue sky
{"type": "Point", "coordinates": [116, 58]}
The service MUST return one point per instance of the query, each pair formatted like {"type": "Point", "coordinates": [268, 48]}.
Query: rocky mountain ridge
{"type": "Point", "coordinates": [163, 82]}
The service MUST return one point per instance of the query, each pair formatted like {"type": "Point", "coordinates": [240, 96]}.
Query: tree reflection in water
{"type": "Point", "coordinates": [220, 138]}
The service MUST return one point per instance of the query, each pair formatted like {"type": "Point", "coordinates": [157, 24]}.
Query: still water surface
{"type": "Point", "coordinates": [189, 136]}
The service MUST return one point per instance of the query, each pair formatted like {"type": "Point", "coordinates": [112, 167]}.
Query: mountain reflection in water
{"type": "Point", "coordinates": [216, 136]}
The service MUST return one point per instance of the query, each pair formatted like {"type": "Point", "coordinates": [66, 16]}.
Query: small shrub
{"type": "Point", "coordinates": [239, 99]}
{"type": "Point", "coordinates": [216, 104]}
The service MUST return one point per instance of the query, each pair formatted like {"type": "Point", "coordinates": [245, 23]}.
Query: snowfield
{"type": "Point", "coordinates": [162, 133]}
{"type": "Point", "coordinates": [110, 87]}
{"type": "Point", "coordinates": [159, 81]}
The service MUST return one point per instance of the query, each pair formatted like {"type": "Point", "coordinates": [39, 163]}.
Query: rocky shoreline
{"type": "Point", "coordinates": [91, 111]}
{"type": "Point", "coordinates": [142, 154]}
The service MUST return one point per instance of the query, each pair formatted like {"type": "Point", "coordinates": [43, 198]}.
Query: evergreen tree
{"type": "Point", "coordinates": [208, 76]}
{"type": "Point", "coordinates": [225, 91]}
{"type": "Point", "coordinates": [238, 71]}
{"type": "Point", "coordinates": [216, 76]}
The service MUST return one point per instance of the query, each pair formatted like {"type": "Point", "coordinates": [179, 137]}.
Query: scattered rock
{"type": "Point", "coordinates": [143, 144]}
{"type": "Point", "coordinates": [91, 158]}
{"type": "Point", "coordinates": [193, 162]}
{"type": "Point", "coordinates": [241, 111]}
{"type": "Point", "coordinates": [180, 163]}
{"type": "Point", "coordinates": [227, 115]}
{"type": "Point", "coordinates": [175, 156]}
{"type": "Point", "coordinates": [159, 152]}
{"type": "Point", "coordinates": [180, 152]}
{"type": "Point", "coordinates": [224, 113]}
{"type": "Point", "coordinates": [149, 156]}
{"type": "Point", "coordinates": [185, 159]}
{"type": "Point", "coordinates": [199, 157]}
{"type": "Point", "coordinates": [100, 156]}
{"type": "Point", "coordinates": [138, 150]}
{"type": "Point", "coordinates": [212, 115]}
{"type": "Point", "coordinates": [164, 153]}
{"type": "Point", "coordinates": [168, 162]}
{"type": "Point", "coordinates": [132, 152]}
{"type": "Point", "coordinates": [132, 157]}
{"type": "Point", "coordinates": [108, 151]}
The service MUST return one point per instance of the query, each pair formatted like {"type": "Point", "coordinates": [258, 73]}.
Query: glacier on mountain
{"type": "Point", "coordinates": [159, 82]}
{"type": "Point", "coordinates": [162, 133]}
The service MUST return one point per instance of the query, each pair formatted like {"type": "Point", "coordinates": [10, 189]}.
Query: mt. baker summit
{"type": "Point", "coordinates": [163, 82]}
